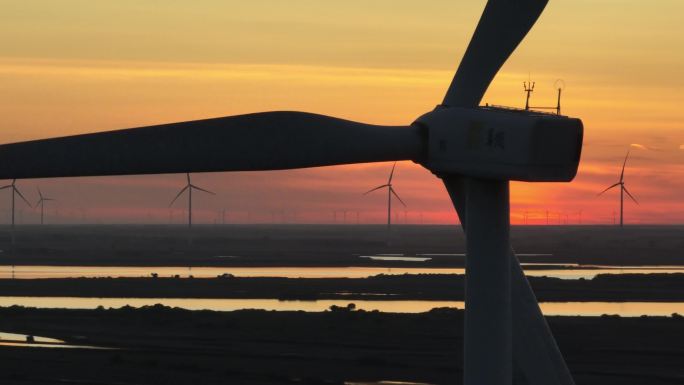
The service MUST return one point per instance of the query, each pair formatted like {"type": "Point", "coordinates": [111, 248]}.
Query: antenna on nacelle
{"type": "Point", "coordinates": [529, 88]}
{"type": "Point", "coordinates": [560, 86]}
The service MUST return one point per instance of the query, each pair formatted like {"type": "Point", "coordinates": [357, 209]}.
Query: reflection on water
{"type": "Point", "coordinates": [395, 258]}
{"type": "Point", "coordinates": [23, 338]}
{"type": "Point", "coordinates": [386, 383]}
{"type": "Point", "coordinates": [31, 341]}
{"type": "Point", "coordinates": [572, 272]}
{"type": "Point", "coordinates": [624, 309]}
{"type": "Point", "coordinates": [53, 346]}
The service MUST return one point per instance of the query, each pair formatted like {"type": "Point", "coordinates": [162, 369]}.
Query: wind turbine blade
{"type": "Point", "coordinates": [261, 141]}
{"type": "Point", "coordinates": [187, 174]}
{"type": "Point", "coordinates": [457, 188]}
{"type": "Point", "coordinates": [179, 194]}
{"type": "Point", "coordinates": [201, 189]}
{"type": "Point", "coordinates": [4, 187]}
{"type": "Point", "coordinates": [397, 196]}
{"type": "Point", "coordinates": [535, 351]}
{"type": "Point", "coordinates": [622, 173]}
{"type": "Point", "coordinates": [615, 185]}
{"type": "Point", "coordinates": [503, 25]}
{"type": "Point", "coordinates": [389, 181]}
{"type": "Point", "coordinates": [40, 194]}
{"type": "Point", "coordinates": [630, 195]}
{"type": "Point", "coordinates": [377, 188]}
{"type": "Point", "coordinates": [22, 197]}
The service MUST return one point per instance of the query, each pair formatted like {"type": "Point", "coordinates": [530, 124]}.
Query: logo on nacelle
{"type": "Point", "coordinates": [490, 137]}
{"type": "Point", "coordinates": [496, 139]}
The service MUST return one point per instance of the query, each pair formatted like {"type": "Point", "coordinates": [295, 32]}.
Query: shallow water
{"type": "Point", "coordinates": [624, 309]}
{"type": "Point", "coordinates": [386, 383]}
{"type": "Point", "coordinates": [19, 340]}
{"type": "Point", "coordinates": [569, 272]}
{"type": "Point", "coordinates": [14, 337]}
{"type": "Point", "coordinates": [395, 258]}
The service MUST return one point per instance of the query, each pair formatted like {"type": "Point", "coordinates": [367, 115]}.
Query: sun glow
{"type": "Point", "coordinates": [129, 65]}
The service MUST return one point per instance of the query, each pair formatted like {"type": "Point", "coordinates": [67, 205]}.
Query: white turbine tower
{"type": "Point", "coordinates": [476, 150]}
{"type": "Point", "coordinates": [41, 202]}
{"type": "Point", "coordinates": [189, 187]}
{"type": "Point", "coordinates": [390, 192]}
{"type": "Point", "coordinates": [623, 190]}
{"type": "Point", "coordinates": [15, 191]}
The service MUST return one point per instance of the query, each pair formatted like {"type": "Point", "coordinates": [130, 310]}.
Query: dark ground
{"type": "Point", "coordinates": [617, 288]}
{"type": "Point", "coordinates": [325, 245]}
{"type": "Point", "coordinates": [171, 346]}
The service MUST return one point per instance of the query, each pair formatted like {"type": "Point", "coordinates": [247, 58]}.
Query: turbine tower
{"type": "Point", "coordinates": [41, 202]}
{"type": "Point", "coordinates": [623, 190]}
{"type": "Point", "coordinates": [475, 150]}
{"type": "Point", "coordinates": [390, 192]}
{"type": "Point", "coordinates": [189, 187]}
{"type": "Point", "coordinates": [15, 191]}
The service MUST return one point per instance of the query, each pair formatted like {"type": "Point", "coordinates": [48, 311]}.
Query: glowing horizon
{"type": "Point", "coordinates": [79, 66]}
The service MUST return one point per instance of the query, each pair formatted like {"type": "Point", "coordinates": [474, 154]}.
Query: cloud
{"type": "Point", "coordinates": [644, 147]}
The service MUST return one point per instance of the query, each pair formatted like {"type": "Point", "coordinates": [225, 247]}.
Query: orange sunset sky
{"type": "Point", "coordinates": [77, 66]}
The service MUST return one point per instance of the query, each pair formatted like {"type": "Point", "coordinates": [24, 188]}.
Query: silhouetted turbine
{"type": "Point", "coordinates": [15, 191]}
{"type": "Point", "coordinates": [623, 190]}
{"type": "Point", "coordinates": [189, 187]}
{"type": "Point", "coordinates": [390, 192]}
{"type": "Point", "coordinates": [41, 202]}
{"type": "Point", "coordinates": [476, 150]}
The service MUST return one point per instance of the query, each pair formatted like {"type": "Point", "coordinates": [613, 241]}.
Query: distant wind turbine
{"type": "Point", "coordinates": [390, 192]}
{"type": "Point", "coordinates": [189, 187]}
{"type": "Point", "coordinates": [623, 190]}
{"type": "Point", "coordinates": [41, 202]}
{"type": "Point", "coordinates": [15, 191]}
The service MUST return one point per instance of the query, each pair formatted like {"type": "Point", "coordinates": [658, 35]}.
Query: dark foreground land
{"type": "Point", "coordinates": [160, 345]}
{"type": "Point", "coordinates": [326, 245]}
{"type": "Point", "coordinates": [617, 288]}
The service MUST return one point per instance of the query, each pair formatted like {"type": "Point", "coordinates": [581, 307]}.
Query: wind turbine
{"type": "Point", "coordinates": [476, 150]}
{"type": "Point", "coordinates": [390, 192]}
{"type": "Point", "coordinates": [623, 190]}
{"type": "Point", "coordinates": [41, 202]}
{"type": "Point", "coordinates": [15, 191]}
{"type": "Point", "coordinates": [189, 187]}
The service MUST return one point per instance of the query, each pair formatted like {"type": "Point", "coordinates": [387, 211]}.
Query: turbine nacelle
{"type": "Point", "coordinates": [500, 143]}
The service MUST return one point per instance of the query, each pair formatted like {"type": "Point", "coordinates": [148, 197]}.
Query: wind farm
{"type": "Point", "coordinates": [507, 270]}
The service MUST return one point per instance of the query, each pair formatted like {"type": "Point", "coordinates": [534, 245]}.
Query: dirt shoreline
{"type": "Point", "coordinates": [610, 288]}
{"type": "Point", "coordinates": [160, 345]}
{"type": "Point", "coordinates": [325, 245]}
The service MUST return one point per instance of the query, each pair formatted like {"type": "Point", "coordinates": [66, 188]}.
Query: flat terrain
{"type": "Point", "coordinates": [618, 288]}
{"type": "Point", "coordinates": [158, 345]}
{"type": "Point", "coordinates": [170, 346]}
{"type": "Point", "coordinates": [326, 245]}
